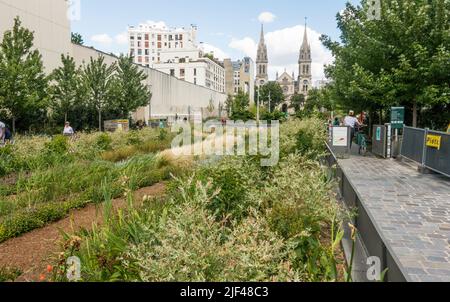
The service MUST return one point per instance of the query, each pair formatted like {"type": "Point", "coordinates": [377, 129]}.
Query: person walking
{"type": "Point", "coordinates": [2, 133]}
{"type": "Point", "coordinates": [352, 122]}
{"type": "Point", "coordinates": [68, 130]}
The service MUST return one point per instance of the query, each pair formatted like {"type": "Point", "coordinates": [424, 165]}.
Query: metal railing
{"type": "Point", "coordinates": [429, 148]}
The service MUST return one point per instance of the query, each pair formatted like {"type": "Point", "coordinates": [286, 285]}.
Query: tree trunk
{"type": "Point", "coordinates": [65, 117]}
{"type": "Point", "coordinates": [415, 114]}
{"type": "Point", "coordinates": [100, 120]}
{"type": "Point", "coordinates": [14, 125]}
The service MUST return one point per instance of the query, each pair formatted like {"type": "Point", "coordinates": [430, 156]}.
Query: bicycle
{"type": "Point", "coordinates": [361, 139]}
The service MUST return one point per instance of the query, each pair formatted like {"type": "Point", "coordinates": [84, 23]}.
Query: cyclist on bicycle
{"type": "Point", "coordinates": [352, 122]}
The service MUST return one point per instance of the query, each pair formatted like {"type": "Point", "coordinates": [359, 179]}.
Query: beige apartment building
{"type": "Point", "coordinates": [240, 75]}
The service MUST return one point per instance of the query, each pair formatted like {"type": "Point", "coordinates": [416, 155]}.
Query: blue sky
{"type": "Point", "coordinates": [230, 28]}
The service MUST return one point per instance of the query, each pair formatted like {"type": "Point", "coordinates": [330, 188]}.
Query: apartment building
{"type": "Point", "coordinates": [240, 75]}
{"type": "Point", "coordinates": [193, 67]}
{"type": "Point", "coordinates": [148, 42]}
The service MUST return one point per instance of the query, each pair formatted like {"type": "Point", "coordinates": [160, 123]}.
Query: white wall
{"type": "Point", "coordinates": [48, 19]}
{"type": "Point", "coordinates": [170, 95]}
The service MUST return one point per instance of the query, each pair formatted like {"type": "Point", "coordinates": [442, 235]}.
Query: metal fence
{"type": "Point", "coordinates": [429, 148]}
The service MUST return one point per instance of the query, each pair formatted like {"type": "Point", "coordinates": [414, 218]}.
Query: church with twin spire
{"type": "Point", "coordinates": [288, 82]}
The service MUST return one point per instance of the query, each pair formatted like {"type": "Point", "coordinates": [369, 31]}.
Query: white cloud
{"type": "Point", "coordinates": [218, 53]}
{"type": "Point", "coordinates": [122, 38]}
{"type": "Point", "coordinates": [266, 17]}
{"type": "Point", "coordinates": [102, 39]}
{"type": "Point", "coordinates": [248, 46]}
{"type": "Point", "coordinates": [283, 48]}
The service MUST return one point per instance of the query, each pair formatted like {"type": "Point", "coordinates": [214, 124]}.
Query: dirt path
{"type": "Point", "coordinates": [30, 252]}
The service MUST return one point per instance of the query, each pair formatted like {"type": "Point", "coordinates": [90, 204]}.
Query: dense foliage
{"type": "Point", "coordinates": [84, 95]}
{"type": "Point", "coordinates": [401, 59]}
{"type": "Point", "coordinates": [60, 175]}
{"type": "Point", "coordinates": [228, 220]}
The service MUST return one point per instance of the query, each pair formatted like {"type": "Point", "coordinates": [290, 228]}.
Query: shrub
{"type": "Point", "coordinates": [234, 180]}
{"type": "Point", "coordinates": [133, 138]}
{"type": "Point", "coordinates": [104, 142]}
{"type": "Point", "coordinates": [58, 145]}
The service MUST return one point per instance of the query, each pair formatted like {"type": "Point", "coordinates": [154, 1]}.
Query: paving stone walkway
{"type": "Point", "coordinates": [411, 212]}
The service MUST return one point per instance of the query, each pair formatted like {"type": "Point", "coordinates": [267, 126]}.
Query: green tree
{"type": "Point", "coordinates": [271, 93]}
{"type": "Point", "coordinates": [77, 39]}
{"type": "Point", "coordinates": [239, 106]}
{"type": "Point", "coordinates": [402, 59]}
{"type": "Point", "coordinates": [128, 90]}
{"type": "Point", "coordinates": [23, 83]}
{"type": "Point", "coordinates": [66, 89]}
{"type": "Point", "coordinates": [297, 101]}
{"type": "Point", "coordinates": [98, 78]}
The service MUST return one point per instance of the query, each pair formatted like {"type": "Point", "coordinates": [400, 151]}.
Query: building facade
{"type": "Point", "coordinates": [148, 42]}
{"type": "Point", "coordinates": [194, 67]}
{"type": "Point", "coordinates": [289, 83]}
{"type": "Point", "coordinates": [240, 76]}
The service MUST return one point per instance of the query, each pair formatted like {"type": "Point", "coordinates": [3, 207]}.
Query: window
{"type": "Point", "coordinates": [132, 37]}
{"type": "Point", "coordinates": [139, 52]}
{"type": "Point", "coordinates": [146, 37]}
{"type": "Point", "coordinates": [139, 44]}
{"type": "Point", "coordinates": [172, 72]}
{"type": "Point", "coordinates": [182, 60]}
{"type": "Point", "coordinates": [147, 44]}
{"type": "Point", "coordinates": [132, 43]}
{"type": "Point", "coordinates": [195, 81]}
{"type": "Point", "coordinates": [147, 52]}
{"type": "Point", "coordinates": [182, 72]}
{"type": "Point", "coordinates": [159, 44]}
{"type": "Point", "coordinates": [139, 37]}
{"type": "Point", "coordinates": [159, 38]}
{"type": "Point", "coordinates": [140, 59]}
{"type": "Point", "coordinates": [195, 71]}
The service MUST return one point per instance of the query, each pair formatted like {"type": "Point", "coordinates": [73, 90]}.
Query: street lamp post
{"type": "Point", "coordinates": [257, 106]}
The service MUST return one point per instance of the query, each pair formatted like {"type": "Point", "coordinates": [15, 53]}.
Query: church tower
{"type": "Point", "coordinates": [304, 61]}
{"type": "Point", "coordinates": [262, 62]}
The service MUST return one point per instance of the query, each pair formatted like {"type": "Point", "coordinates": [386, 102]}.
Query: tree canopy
{"type": "Point", "coordinates": [402, 59]}
{"type": "Point", "coordinates": [23, 83]}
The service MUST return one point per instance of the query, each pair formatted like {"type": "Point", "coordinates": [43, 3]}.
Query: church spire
{"type": "Point", "coordinates": [305, 35]}
{"type": "Point", "coordinates": [261, 38]}
{"type": "Point", "coordinates": [262, 61]}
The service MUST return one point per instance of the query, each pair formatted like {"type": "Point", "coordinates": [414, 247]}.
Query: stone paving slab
{"type": "Point", "coordinates": [411, 212]}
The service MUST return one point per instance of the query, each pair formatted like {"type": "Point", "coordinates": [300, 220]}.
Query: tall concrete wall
{"type": "Point", "coordinates": [170, 96]}
{"type": "Point", "coordinates": [48, 19]}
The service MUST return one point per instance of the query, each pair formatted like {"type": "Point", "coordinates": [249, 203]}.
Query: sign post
{"type": "Point", "coordinates": [397, 123]}
{"type": "Point", "coordinates": [397, 117]}
{"type": "Point", "coordinates": [340, 140]}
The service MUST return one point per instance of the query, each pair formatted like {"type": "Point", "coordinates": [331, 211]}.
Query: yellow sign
{"type": "Point", "coordinates": [434, 141]}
